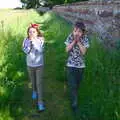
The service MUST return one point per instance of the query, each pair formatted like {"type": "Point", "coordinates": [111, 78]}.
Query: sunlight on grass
{"type": "Point", "coordinates": [11, 21]}
{"type": "Point", "coordinates": [46, 17]}
{"type": "Point", "coordinates": [2, 91]}
{"type": "Point", "coordinates": [18, 75]}
{"type": "Point", "coordinates": [5, 114]}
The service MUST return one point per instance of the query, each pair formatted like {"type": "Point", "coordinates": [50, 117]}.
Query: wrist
{"type": "Point", "coordinates": [74, 41]}
{"type": "Point", "coordinates": [79, 43]}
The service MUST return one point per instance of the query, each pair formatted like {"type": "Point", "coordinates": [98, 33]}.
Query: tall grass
{"type": "Point", "coordinates": [99, 92]}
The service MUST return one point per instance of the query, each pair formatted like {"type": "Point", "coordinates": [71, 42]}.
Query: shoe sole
{"type": "Point", "coordinates": [39, 111]}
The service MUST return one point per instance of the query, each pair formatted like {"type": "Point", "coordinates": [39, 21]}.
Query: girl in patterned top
{"type": "Point", "coordinates": [76, 47]}
{"type": "Point", "coordinates": [33, 46]}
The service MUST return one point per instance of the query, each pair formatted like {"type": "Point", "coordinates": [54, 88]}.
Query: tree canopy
{"type": "Point", "coordinates": [49, 3]}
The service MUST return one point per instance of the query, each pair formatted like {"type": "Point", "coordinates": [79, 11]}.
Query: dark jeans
{"type": "Point", "coordinates": [74, 76]}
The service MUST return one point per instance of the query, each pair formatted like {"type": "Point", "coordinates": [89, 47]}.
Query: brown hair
{"type": "Point", "coordinates": [38, 31]}
{"type": "Point", "coordinates": [81, 26]}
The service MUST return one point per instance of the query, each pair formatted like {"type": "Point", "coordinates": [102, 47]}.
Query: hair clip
{"type": "Point", "coordinates": [34, 25]}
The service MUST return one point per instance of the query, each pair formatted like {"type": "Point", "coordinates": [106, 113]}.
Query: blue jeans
{"type": "Point", "coordinates": [74, 76]}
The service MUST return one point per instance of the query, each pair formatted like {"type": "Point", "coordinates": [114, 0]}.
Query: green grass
{"type": "Point", "coordinates": [99, 93]}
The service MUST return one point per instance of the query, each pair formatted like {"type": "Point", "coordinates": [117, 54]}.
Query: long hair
{"type": "Point", "coordinates": [35, 26]}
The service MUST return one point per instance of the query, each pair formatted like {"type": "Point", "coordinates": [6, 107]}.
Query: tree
{"type": "Point", "coordinates": [30, 3]}
{"type": "Point", "coordinates": [49, 3]}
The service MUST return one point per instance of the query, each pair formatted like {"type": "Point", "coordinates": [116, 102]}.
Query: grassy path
{"type": "Point", "coordinates": [57, 105]}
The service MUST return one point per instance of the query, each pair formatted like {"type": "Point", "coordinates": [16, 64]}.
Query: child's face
{"type": "Point", "coordinates": [77, 32]}
{"type": "Point", "coordinates": [32, 32]}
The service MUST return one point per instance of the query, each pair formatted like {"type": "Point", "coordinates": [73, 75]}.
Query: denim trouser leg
{"type": "Point", "coordinates": [74, 76]}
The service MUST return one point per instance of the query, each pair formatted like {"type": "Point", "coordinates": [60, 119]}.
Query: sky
{"type": "Point", "coordinates": [10, 3]}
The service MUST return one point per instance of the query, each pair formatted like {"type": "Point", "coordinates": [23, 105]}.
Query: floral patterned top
{"type": "Point", "coordinates": [75, 57]}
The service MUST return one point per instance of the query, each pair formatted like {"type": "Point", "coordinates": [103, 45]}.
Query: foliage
{"type": "Point", "coordinates": [49, 3]}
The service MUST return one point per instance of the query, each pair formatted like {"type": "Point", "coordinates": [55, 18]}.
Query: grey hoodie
{"type": "Point", "coordinates": [34, 51]}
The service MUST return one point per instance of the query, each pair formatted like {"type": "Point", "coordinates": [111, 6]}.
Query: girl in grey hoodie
{"type": "Point", "coordinates": [33, 47]}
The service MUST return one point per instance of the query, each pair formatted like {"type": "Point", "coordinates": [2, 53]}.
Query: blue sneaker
{"type": "Point", "coordinates": [34, 95]}
{"type": "Point", "coordinates": [41, 107]}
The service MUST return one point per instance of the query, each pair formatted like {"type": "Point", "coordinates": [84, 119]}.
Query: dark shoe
{"type": "Point", "coordinates": [74, 107]}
